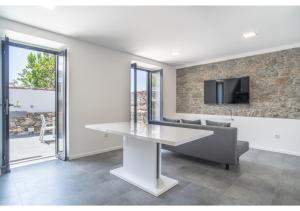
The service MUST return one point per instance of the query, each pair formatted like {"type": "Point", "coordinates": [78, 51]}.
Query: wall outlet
{"type": "Point", "coordinates": [277, 136]}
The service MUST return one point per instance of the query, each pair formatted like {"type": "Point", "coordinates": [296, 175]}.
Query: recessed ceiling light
{"type": "Point", "coordinates": [175, 53]}
{"type": "Point", "coordinates": [249, 34]}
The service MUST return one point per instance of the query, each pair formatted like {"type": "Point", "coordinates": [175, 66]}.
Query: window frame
{"type": "Point", "coordinates": [149, 91]}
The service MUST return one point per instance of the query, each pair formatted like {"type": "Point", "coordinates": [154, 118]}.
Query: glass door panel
{"type": "Point", "coordinates": [142, 96]}
{"type": "Point", "coordinates": [156, 96]}
{"type": "Point", "coordinates": [61, 106]}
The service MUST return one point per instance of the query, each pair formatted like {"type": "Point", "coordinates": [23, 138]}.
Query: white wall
{"type": "Point", "coordinates": [260, 132]}
{"type": "Point", "coordinates": [32, 100]}
{"type": "Point", "coordinates": [169, 91]}
{"type": "Point", "coordinates": [99, 89]}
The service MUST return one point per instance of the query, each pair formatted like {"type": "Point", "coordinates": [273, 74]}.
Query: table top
{"type": "Point", "coordinates": [150, 132]}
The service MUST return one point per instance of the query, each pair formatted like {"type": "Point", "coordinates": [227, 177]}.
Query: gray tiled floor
{"type": "Point", "coordinates": [261, 178]}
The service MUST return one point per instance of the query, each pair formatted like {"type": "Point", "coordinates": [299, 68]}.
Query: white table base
{"type": "Point", "coordinates": [142, 166]}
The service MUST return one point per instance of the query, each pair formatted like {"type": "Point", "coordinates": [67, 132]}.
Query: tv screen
{"type": "Point", "coordinates": [227, 91]}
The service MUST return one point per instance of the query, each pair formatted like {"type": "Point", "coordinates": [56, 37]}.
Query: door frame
{"type": "Point", "coordinates": [149, 91]}
{"type": "Point", "coordinates": [150, 120]}
{"type": "Point", "coordinates": [64, 154]}
{"type": "Point", "coordinates": [5, 168]}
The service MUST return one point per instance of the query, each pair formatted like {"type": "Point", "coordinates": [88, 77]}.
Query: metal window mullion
{"type": "Point", "coordinates": [161, 94]}
{"type": "Point", "coordinates": [149, 97]}
{"type": "Point", "coordinates": [65, 105]}
{"type": "Point", "coordinates": [135, 93]}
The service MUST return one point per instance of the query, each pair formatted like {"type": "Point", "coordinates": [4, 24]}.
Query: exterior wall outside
{"type": "Point", "coordinates": [32, 100]}
{"type": "Point", "coordinates": [142, 112]}
{"type": "Point", "coordinates": [28, 106]}
{"type": "Point", "coordinates": [24, 123]}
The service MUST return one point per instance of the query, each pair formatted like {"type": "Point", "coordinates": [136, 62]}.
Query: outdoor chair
{"type": "Point", "coordinates": [45, 127]}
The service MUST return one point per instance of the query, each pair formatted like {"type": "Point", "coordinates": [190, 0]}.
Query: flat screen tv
{"type": "Point", "coordinates": [227, 91]}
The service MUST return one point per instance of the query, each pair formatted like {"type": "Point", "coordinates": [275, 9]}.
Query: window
{"type": "Point", "coordinates": [156, 101]}
{"type": "Point", "coordinates": [146, 97]}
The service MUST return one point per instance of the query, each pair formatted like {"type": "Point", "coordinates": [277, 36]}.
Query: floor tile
{"type": "Point", "coordinates": [286, 194]}
{"type": "Point", "coordinates": [261, 178]}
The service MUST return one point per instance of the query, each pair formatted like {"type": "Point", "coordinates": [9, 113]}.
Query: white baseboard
{"type": "Point", "coordinates": [276, 150]}
{"type": "Point", "coordinates": [71, 157]}
{"type": "Point", "coordinates": [120, 147]}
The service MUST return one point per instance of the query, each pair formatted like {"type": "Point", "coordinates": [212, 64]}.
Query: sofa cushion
{"type": "Point", "coordinates": [171, 120]}
{"type": "Point", "coordinates": [242, 147]}
{"type": "Point", "coordinates": [220, 124]}
{"type": "Point", "coordinates": [186, 121]}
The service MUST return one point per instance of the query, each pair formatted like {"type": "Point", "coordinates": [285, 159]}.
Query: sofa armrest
{"type": "Point", "coordinates": [220, 147]}
{"type": "Point", "coordinates": [242, 147]}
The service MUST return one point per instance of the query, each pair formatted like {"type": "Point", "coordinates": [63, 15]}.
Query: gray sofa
{"type": "Point", "coordinates": [221, 147]}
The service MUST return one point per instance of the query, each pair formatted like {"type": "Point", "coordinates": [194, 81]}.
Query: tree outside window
{"type": "Point", "coordinates": [39, 71]}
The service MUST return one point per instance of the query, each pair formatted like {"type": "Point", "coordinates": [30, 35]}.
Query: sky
{"type": "Point", "coordinates": [17, 61]}
{"type": "Point", "coordinates": [141, 81]}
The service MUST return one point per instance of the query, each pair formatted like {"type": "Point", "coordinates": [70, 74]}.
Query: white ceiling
{"type": "Point", "coordinates": [199, 33]}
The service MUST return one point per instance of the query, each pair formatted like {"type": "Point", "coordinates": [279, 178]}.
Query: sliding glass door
{"type": "Point", "coordinates": [146, 94]}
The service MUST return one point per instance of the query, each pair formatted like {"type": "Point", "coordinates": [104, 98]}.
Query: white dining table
{"type": "Point", "coordinates": [142, 151]}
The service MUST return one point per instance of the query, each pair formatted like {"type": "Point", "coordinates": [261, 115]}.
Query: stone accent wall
{"type": "Point", "coordinates": [20, 122]}
{"type": "Point", "coordinates": [274, 85]}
